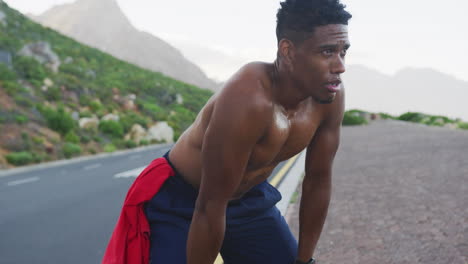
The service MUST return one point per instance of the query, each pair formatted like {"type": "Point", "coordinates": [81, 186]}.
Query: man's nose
{"type": "Point", "coordinates": [338, 66]}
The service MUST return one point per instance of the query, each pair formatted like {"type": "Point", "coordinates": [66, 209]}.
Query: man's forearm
{"type": "Point", "coordinates": [205, 237]}
{"type": "Point", "coordinates": [313, 211]}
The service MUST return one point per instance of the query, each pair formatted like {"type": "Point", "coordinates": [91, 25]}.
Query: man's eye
{"type": "Point", "coordinates": [343, 53]}
{"type": "Point", "coordinates": [327, 52]}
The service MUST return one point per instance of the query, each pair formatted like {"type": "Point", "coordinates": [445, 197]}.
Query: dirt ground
{"type": "Point", "coordinates": [400, 195]}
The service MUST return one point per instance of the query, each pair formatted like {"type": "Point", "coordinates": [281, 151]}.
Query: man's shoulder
{"type": "Point", "coordinates": [252, 74]}
{"type": "Point", "coordinates": [257, 69]}
{"type": "Point", "coordinates": [250, 86]}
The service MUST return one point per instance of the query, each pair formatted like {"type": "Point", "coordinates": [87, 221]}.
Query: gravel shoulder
{"type": "Point", "coordinates": [400, 195]}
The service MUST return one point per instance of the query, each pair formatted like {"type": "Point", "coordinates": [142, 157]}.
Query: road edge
{"type": "Point", "coordinates": [52, 164]}
{"type": "Point", "coordinates": [291, 181]}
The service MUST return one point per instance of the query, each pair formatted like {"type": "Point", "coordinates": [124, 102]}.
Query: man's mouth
{"type": "Point", "coordinates": [333, 86]}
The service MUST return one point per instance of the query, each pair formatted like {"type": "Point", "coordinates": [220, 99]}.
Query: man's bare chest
{"type": "Point", "coordinates": [285, 137]}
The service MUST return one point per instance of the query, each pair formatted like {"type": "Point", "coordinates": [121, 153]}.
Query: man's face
{"type": "Point", "coordinates": [320, 60]}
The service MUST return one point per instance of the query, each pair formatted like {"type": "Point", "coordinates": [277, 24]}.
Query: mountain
{"type": "Point", "coordinates": [60, 98]}
{"type": "Point", "coordinates": [410, 89]}
{"type": "Point", "coordinates": [102, 24]}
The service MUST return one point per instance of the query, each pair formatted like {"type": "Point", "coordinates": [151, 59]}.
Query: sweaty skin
{"type": "Point", "coordinates": [265, 114]}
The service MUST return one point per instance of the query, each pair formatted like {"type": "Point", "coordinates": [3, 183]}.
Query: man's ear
{"type": "Point", "coordinates": [286, 51]}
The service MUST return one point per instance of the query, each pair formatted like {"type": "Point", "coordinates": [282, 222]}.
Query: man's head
{"type": "Point", "coordinates": [297, 19]}
{"type": "Point", "coordinates": [312, 44]}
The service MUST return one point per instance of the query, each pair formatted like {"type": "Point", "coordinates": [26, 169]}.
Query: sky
{"type": "Point", "coordinates": [221, 36]}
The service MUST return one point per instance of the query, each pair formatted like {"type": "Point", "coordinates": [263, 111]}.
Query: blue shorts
{"type": "Point", "coordinates": [256, 232]}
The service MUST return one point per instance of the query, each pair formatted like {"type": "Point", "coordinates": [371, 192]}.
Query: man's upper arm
{"type": "Point", "coordinates": [322, 149]}
{"type": "Point", "coordinates": [236, 124]}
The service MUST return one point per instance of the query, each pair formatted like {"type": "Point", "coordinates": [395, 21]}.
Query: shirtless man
{"type": "Point", "coordinates": [266, 113]}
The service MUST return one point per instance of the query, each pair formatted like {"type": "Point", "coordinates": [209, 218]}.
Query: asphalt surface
{"type": "Point", "coordinates": [66, 213]}
{"type": "Point", "coordinates": [400, 195]}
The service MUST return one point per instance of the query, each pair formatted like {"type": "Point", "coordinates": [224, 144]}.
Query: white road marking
{"type": "Point", "coordinates": [290, 182]}
{"type": "Point", "coordinates": [23, 181]}
{"type": "Point", "coordinates": [94, 166]}
{"type": "Point", "coordinates": [130, 173]}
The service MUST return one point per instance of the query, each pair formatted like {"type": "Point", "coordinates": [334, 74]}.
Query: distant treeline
{"type": "Point", "coordinates": [360, 117]}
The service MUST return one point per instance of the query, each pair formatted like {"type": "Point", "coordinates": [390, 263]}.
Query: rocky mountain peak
{"type": "Point", "coordinates": [102, 24]}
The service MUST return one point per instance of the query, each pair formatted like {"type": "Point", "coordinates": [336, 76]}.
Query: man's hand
{"type": "Point", "coordinates": [311, 261]}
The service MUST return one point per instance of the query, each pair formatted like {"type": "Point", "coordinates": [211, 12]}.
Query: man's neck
{"type": "Point", "coordinates": [285, 91]}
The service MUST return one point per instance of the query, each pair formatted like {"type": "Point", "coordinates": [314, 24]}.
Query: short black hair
{"type": "Point", "coordinates": [297, 19]}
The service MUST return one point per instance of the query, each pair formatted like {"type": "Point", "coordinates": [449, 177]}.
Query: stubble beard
{"type": "Point", "coordinates": [326, 101]}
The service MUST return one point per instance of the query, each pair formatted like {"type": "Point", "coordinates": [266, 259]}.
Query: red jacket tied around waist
{"type": "Point", "coordinates": [130, 241]}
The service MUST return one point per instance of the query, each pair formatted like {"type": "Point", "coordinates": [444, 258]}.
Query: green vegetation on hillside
{"type": "Point", "coordinates": [77, 81]}
{"type": "Point", "coordinates": [354, 118]}
{"type": "Point", "coordinates": [359, 117]}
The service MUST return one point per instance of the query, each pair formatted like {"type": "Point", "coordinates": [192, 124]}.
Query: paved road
{"type": "Point", "coordinates": [400, 196]}
{"type": "Point", "coordinates": [66, 214]}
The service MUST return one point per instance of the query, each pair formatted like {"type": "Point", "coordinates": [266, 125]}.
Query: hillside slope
{"type": "Point", "coordinates": [103, 25]}
{"type": "Point", "coordinates": [60, 98]}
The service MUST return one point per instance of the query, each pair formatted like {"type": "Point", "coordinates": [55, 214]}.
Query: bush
{"type": "Point", "coordinates": [6, 74]}
{"type": "Point", "coordinates": [72, 105]}
{"type": "Point", "coordinates": [95, 106]}
{"type": "Point", "coordinates": [353, 119]}
{"type": "Point", "coordinates": [70, 150]}
{"type": "Point", "coordinates": [85, 100]}
{"type": "Point", "coordinates": [21, 119]}
{"type": "Point", "coordinates": [11, 87]}
{"type": "Point", "coordinates": [100, 113]}
{"type": "Point", "coordinates": [72, 137]}
{"type": "Point", "coordinates": [58, 120]}
{"type": "Point", "coordinates": [157, 141]}
{"type": "Point", "coordinates": [412, 117]}
{"type": "Point", "coordinates": [153, 110]}
{"type": "Point", "coordinates": [111, 107]}
{"type": "Point", "coordinates": [110, 148]}
{"type": "Point", "coordinates": [144, 142]}
{"type": "Point", "coordinates": [130, 144]}
{"type": "Point", "coordinates": [111, 128]}
{"type": "Point", "coordinates": [26, 140]}
{"type": "Point", "coordinates": [30, 69]}
{"type": "Point", "coordinates": [19, 158]}
{"type": "Point", "coordinates": [119, 143]}
{"type": "Point", "coordinates": [386, 116]}
{"type": "Point", "coordinates": [85, 139]}
{"type": "Point", "coordinates": [356, 112]}
{"type": "Point", "coordinates": [23, 101]}
{"type": "Point", "coordinates": [39, 157]}
{"type": "Point", "coordinates": [38, 140]}
{"type": "Point", "coordinates": [437, 120]}
{"type": "Point", "coordinates": [463, 125]}
{"type": "Point", "coordinates": [53, 93]}
{"type": "Point", "coordinates": [98, 139]}
{"type": "Point", "coordinates": [129, 119]}
{"type": "Point", "coordinates": [85, 114]}
{"type": "Point", "coordinates": [181, 120]}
